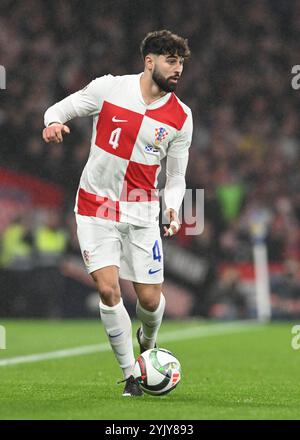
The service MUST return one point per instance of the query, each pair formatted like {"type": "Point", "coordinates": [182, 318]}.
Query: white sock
{"type": "Point", "coordinates": [118, 328]}
{"type": "Point", "coordinates": [151, 322]}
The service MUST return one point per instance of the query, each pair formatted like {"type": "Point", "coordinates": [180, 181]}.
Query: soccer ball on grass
{"type": "Point", "coordinates": [158, 371]}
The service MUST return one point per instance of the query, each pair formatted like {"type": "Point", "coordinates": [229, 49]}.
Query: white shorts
{"type": "Point", "coordinates": [136, 250]}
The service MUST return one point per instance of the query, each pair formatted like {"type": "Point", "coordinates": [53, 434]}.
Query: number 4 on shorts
{"type": "Point", "coordinates": [156, 251]}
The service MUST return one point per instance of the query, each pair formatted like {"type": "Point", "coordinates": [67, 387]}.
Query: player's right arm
{"type": "Point", "coordinates": [85, 102]}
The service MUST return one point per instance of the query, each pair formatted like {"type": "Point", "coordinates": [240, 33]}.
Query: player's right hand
{"type": "Point", "coordinates": [54, 132]}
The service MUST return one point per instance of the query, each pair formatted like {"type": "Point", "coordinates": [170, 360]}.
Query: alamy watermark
{"type": "Point", "coordinates": [2, 77]}
{"type": "Point", "coordinates": [192, 212]}
{"type": "Point", "coordinates": [191, 215]}
{"type": "Point", "coordinates": [2, 338]}
{"type": "Point", "coordinates": [295, 82]}
{"type": "Point", "coordinates": [295, 343]}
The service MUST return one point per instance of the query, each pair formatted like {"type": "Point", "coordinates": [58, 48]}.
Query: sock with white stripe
{"type": "Point", "coordinates": [151, 322]}
{"type": "Point", "coordinates": [118, 328]}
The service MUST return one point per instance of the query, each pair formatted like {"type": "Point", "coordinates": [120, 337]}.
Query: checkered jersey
{"type": "Point", "coordinates": [129, 140]}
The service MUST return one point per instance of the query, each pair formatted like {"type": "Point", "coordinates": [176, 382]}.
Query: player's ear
{"type": "Point", "coordinates": [149, 62]}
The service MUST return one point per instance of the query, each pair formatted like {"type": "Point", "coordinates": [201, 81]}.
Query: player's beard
{"type": "Point", "coordinates": [163, 83]}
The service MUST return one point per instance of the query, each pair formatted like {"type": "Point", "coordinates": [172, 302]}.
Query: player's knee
{"type": "Point", "coordinates": [150, 304]}
{"type": "Point", "coordinates": [110, 294]}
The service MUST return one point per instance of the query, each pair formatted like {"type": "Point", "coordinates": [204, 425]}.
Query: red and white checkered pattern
{"type": "Point", "coordinates": [120, 178]}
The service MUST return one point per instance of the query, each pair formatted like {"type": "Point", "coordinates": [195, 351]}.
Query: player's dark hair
{"type": "Point", "coordinates": [164, 43]}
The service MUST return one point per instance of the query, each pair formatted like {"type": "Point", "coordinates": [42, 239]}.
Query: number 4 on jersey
{"type": "Point", "coordinates": [156, 251]}
{"type": "Point", "coordinates": [114, 138]}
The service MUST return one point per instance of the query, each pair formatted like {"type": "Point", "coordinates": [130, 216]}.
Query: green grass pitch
{"type": "Point", "coordinates": [230, 371]}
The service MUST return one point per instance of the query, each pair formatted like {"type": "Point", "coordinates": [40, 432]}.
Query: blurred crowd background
{"type": "Point", "coordinates": [245, 151]}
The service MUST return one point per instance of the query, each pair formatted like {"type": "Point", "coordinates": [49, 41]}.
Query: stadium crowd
{"type": "Point", "coordinates": [245, 151]}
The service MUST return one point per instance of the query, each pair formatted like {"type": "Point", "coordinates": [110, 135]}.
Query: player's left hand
{"type": "Point", "coordinates": [175, 225]}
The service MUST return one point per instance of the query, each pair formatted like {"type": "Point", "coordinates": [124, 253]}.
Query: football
{"type": "Point", "coordinates": [158, 371]}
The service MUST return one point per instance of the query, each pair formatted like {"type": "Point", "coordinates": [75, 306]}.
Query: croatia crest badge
{"type": "Point", "coordinates": [160, 134]}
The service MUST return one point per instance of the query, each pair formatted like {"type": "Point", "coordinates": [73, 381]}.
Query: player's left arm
{"type": "Point", "coordinates": [177, 160]}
